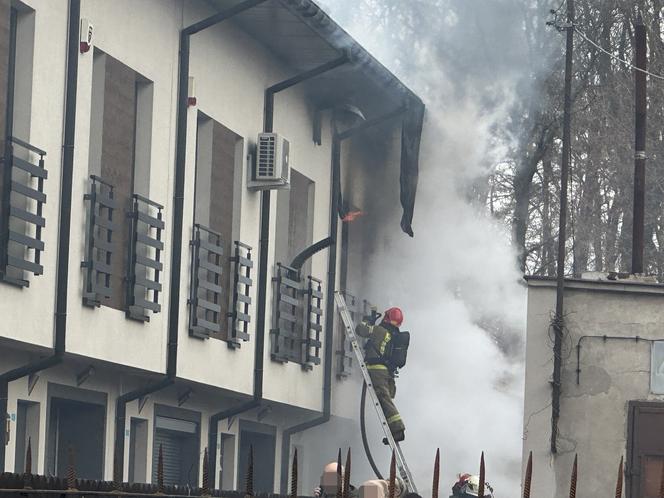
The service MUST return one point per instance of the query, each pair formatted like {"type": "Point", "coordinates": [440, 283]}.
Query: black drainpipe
{"type": "Point", "coordinates": [337, 140]}
{"type": "Point", "coordinates": [62, 274]}
{"type": "Point", "coordinates": [268, 127]}
{"type": "Point", "coordinates": [176, 251]}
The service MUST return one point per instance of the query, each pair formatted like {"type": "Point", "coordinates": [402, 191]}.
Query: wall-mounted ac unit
{"type": "Point", "coordinates": [270, 169]}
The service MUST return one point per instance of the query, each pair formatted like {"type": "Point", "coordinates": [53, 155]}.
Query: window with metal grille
{"type": "Point", "coordinates": [145, 266]}
{"type": "Point", "coordinates": [298, 312]}
{"type": "Point", "coordinates": [119, 153]}
{"type": "Point", "coordinates": [287, 337]}
{"type": "Point", "coordinates": [98, 242]}
{"type": "Point", "coordinates": [206, 290]}
{"type": "Point", "coordinates": [219, 313]}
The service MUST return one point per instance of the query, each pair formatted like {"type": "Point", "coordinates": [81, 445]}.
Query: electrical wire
{"type": "Point", "coordinates": [614, 56]}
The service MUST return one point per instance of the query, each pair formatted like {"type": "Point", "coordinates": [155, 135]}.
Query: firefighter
{"type": "Point", "coordinates": [468, 486]}
{"type": "Point", "coordinates": [385, 353]}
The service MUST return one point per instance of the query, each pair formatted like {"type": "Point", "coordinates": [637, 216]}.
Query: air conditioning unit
{"type": "Point", "coordinates": [270, 169]}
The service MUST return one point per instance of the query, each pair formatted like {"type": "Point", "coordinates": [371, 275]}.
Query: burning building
{"type": "Point", "coordinates": [174, 178]}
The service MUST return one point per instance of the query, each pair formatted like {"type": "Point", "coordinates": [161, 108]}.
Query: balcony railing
{"type": "Point", "coordinates": [206, 289]}
{"type": "Point", "coordinates": [145, 266]}
{"type": "Point", "coordinates": [21, 212]}
{"type": "Point", "coordinates": [298, 313]}
{"type": "Point", "coordinates": [345, 356]}
{"type": "Point", "coordinates": [313, 323]}
{"type": "Point", "coordinates": [242, 282]}
{"type": "Point", "coordinates": [287, 339]}
{"type": "Point", "coordinates": [99, 242]}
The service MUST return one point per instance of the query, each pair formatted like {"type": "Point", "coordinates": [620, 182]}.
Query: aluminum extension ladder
{"type": "Point", "coordinates": [347, 319]}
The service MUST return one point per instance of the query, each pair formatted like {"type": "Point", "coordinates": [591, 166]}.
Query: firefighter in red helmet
{"type": "Point", "coordinates": [385, 353]}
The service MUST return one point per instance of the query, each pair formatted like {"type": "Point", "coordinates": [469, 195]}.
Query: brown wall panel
{"type": "Point", "coordinates": [221, 204]}
{"type": "Point", "coordinates": [117, 163]}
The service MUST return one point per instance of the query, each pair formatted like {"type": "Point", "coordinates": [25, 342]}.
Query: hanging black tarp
{"type": "Point", "coordinates": [411, 134]}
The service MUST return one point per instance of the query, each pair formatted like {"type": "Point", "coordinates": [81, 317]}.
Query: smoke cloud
{"type": "Point", "coordinates": [457, 281]}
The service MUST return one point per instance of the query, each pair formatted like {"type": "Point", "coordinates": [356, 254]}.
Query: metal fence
{"type": "Point", "coordinates": [33, 486]}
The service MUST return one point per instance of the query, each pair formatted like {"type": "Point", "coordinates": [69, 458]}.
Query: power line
{"type": "Point", "coordinates": [613, 56]}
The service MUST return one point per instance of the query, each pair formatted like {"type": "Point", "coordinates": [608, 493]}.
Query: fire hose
{"type": "Point", "coordinates": [363, 429]}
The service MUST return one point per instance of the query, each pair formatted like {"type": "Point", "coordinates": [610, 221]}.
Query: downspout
{"type": "Point", "coordinates": [337, 140]}
{"type": "Point", "coordinates": [62, 274]}
{"type": "Point", "coordinates": [268, 126]}
{"type": "Point", "coordinates": [176, 251]}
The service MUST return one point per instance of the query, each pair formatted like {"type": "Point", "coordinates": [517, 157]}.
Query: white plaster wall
{"type": "Point", "coordinates": [593, 414]}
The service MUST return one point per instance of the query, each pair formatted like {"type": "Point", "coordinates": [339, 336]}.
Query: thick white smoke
{"type": "Point", "coordinates": [462, 389]}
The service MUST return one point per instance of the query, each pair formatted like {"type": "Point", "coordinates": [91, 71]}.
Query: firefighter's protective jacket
{"type": "Point", "coordinates": [379, 338]}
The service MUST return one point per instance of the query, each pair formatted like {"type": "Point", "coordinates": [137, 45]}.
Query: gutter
{"type": "Point", "coordinates": [176, 249]}
{"type": "Point", "coordinates": [331, 282]}
{"type": "Point", "coordinates": [264, 239]}
{"type": "Point", "coordinates": [64, 230]}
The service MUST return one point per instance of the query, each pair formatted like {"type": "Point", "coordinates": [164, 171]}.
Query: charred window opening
{"type": "Point", "coordinates": [219, 261]}
{"type": "Point", "coordinates": [120, 145]}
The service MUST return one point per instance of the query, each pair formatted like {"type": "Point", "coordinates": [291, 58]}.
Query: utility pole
{"type": "Point", "coordinates": [640, 127]}
{"type": "Point", "coordinates": [558, 324]}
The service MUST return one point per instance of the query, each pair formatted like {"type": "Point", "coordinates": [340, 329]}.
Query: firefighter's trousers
{"type": "Point", "coordinates": [386, 389]}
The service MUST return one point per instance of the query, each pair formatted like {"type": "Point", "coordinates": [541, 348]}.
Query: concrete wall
{"type": "Point", "coordinates": [593, 413]}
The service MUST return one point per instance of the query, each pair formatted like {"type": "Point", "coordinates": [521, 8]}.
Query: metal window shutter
{"type": "Point", "coordinates": [172, 450]}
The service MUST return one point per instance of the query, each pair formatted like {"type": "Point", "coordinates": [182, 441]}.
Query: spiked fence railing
{"type": "Point", "coordinates": [572, 485]}
{"type": "Point", "coordinates": [339, 476]}
{"type": "Point", "coordinates": [480, 493]}
{"type": "Point", "coordinates": [436, 475]}
{"type": "Point", "coordinates": [619, 483]}
{"type": "Point", "coordinates": [346, 492]}
{"type": "Point", "coordinates": [293, 493]}
{"type": "Point", "coordinates": [249, 483]}
{"type": "Point", "coordinates": [393, 476]}
{"type": "Point", "coordinates": [529, 476]}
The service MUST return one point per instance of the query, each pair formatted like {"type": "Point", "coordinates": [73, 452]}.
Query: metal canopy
{"type": "Point", "coordinates": [302, 37]}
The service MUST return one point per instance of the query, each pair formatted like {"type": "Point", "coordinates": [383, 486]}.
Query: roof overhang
{"type": "Point", "coordinates": [302, 37]}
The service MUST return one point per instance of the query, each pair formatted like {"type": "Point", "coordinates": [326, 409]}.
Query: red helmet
{"type": "Point", "coordinates": [393, 316]}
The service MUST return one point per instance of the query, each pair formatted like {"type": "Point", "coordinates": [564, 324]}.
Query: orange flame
{"type": "Point", "coordinates": [352, 216]}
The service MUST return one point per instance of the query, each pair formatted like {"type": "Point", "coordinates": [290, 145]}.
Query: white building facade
{"type": "Point", "coordinates": [151, 291]}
